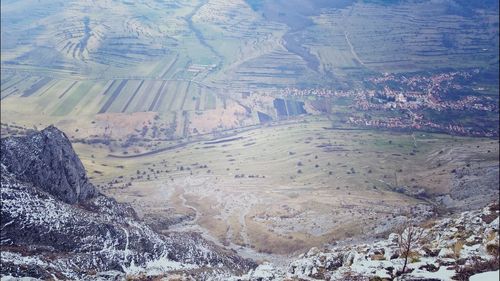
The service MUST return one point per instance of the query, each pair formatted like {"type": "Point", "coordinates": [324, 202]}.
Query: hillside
{"type": "Point", "coordinates": [46, 234]}
{"type": "Point", "coordinates": [454, 248]}
{"type": "Point", "coordinates": [198, 67]}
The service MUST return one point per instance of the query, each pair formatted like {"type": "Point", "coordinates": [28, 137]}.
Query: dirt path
{"type": "Point", "coordinates": [353, 52]}
{"type": "Point", "coordinates": [185, 205]}
{"type": "Point", "coordinates": [243, 223]}
{"type": "Point", "coordinates": [192, 225]}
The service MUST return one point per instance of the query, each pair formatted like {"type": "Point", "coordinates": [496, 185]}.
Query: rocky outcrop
{"type": "Point", "coordinates": [453, 248]}
{"type": "Point", "coordinates": [47, 159]}
{"type": "Point", "coordinates": [43, 236]}
{"type": "Point", "coordinates": [473, 186]}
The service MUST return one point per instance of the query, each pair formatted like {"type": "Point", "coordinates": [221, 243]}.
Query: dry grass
{"type": "Point", "coordinates": [457, 248]}
{"type": "Point", "coordinates": [282, 209]}
{"type": "Point", "coordinates": [491, 236]}
{"type": "Point", "coordinates": [428, 224]}
{"type": "Point", "coordinates": [378, 257]}
{"type": "Point", "coordinates": [414, 256]}
{"type": "Point", "coordinates": [493, 249]}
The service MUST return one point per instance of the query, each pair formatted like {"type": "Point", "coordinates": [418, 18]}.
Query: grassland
{"type": "Point", "coordinates": [330, 184]}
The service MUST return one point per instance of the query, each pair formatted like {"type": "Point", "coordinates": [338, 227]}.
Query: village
{"type": "Point", "coordinates": [411, 95]}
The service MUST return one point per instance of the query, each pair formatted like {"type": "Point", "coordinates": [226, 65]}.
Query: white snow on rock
{"type": "Point", "coordinates": [157, 267]}
{"type": "Point", "coordinates": [445, 253]}
{"type": "Point", "coordinates": [451, 243]}
{"type": "Point", "coordinates": [486, 276]}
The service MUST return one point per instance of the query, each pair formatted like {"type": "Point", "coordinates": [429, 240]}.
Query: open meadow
{"type": "Point", "coordinates": [286, 188]}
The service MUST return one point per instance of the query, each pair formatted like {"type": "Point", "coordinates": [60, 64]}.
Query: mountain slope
{"type": "Point", "coordinates": [75, 233]}
{"type": "Point", "coordinates": [452, 248]}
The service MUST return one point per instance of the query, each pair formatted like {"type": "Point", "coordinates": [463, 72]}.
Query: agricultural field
{"type": "Point", "coordinates": [239, 45]}
{"type": "Point", "coordinates": [187, 59]}
{"type": "Point", "coordinates": [58, 99]}
{"type": "Point", "coordinates": [410, 37]}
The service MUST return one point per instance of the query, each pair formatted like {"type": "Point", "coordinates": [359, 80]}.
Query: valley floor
{"type": "Point", "coordinates": [276, 191]}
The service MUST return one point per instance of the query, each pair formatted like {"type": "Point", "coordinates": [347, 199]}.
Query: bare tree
{"type": "Point", "coordinates": [409, 235]}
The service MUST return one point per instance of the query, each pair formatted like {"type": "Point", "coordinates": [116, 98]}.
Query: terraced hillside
{"type": "Point", "coordinates": [208, 66]}
{"type": "Point", "coordinates": [238, 45]}
{"type": "Point", "coordinates": [409, 37]}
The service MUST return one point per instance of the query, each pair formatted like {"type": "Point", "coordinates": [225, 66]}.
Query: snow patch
{"type": "Point", "coordinates": [486, 276]}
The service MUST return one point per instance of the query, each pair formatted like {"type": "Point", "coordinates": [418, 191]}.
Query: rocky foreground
{"type": "Point", "coordinates": [56, 225]}
{"type": "Point", "coordinates": [458, 248]}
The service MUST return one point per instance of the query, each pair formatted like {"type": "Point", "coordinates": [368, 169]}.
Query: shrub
{"type": "Point", "coordinates": [492, 249]}
{"type": "Point", "coordinates": [457, 248]}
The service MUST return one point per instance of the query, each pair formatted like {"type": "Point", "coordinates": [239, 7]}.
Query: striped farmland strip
{"type": "Point", "coordinates": [48, 88]}
{"type": "Point", "coordinates": [133, 96]}
{"type": "Point", "coordinates": [153, 105]}
{"type": "Point", "coordinates": [13, 84]}
{"type": "Point", "coordinates": [141, 103]}
{"type": "Point", "coordinates": [185, 95]}
{"type": "Point", "coordinates": [35, 87]}
{"type": "Point", "coordinates": [109, 87]}
{"type": "Point", "coordinates": [162, 97]}
{"type": "Point", "coordinates": [67, 90]}
{"type": "Point", "coordinates": [12, 92]}
{"type": "Point", "coordinates": [112, 98]}
{"type": "Point", "coordinates": [169, 107]}
{"type": "Point", "coordinates": [198, 100]}
{"type": "Point", "coordinates": [169, 66]}
{"type": "Point", "coordinates": [210, 101]}
{"type": "Point", "coordinates": [185, 129]}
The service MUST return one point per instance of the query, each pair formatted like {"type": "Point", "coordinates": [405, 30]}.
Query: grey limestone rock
{"type": "Point", "coordinates": [47, 159]}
